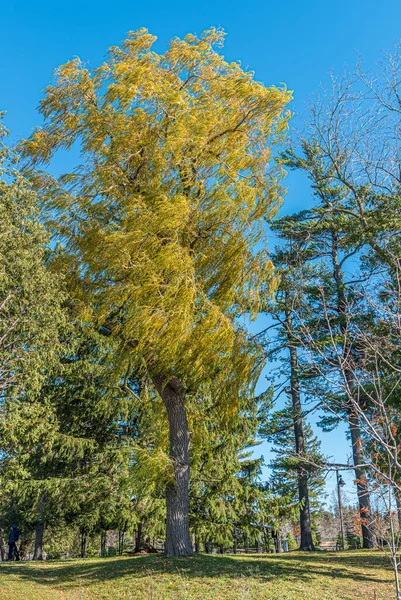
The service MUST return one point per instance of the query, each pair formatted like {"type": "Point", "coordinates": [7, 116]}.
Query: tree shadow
{"type": "Point", "coordinates": [302, 567]}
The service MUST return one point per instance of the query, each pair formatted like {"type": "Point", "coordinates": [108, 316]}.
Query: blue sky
{"type": "Point", "coordinates": [296, 42]}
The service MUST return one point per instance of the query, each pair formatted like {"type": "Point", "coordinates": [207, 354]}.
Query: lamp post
{"type": "Point", "coordinates": [340, 484]}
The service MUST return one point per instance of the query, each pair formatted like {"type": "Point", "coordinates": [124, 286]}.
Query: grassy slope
{"type": "Point", "coordinates": [294, 576]}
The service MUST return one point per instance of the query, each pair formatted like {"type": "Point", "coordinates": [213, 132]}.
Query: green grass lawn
{"type": "Point", "coordinates": [362, 575]}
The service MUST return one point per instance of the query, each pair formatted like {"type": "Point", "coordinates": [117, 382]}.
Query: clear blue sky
{"type": "Point", "coordinates": [292, 41]}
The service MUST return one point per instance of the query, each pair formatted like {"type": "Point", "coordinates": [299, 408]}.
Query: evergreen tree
{"type": "Point", "coordinates": [329, 322]}
{"type": "Point", "coordinates": [30, 296]}
{"type": "Point", "coordinates": [66, 457]}
{"type": "Point", "coordinates": [284, 310]}
{"type": "Point", "coordinates": [286, 464]}
{"type": "Point", "coordinates": [31, 319]}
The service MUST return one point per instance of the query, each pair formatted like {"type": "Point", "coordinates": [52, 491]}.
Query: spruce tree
{"type": "Point", "coordinates": [66, 458]}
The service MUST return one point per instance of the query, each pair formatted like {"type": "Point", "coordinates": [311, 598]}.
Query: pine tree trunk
{"type": "Point", "coordinates": [353, 419]}
{"type": "Point", "coordinates": [38, 551]}
{"type": "Point", "coordinates": [178, 540]}
{"type": "Point", "coordinates": [302, 475]}
{"type": "Point", "coordinates": [368, 536]}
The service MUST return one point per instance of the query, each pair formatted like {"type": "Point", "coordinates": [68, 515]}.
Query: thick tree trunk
{"type": "Point", "coordinates": [178, 540]}
{"type": "Point", "coordinates": [368, 535]}
{"type": "Point", "coordinates": [302, 475]}
{"type": "Point", "coordinates": [38, 551]}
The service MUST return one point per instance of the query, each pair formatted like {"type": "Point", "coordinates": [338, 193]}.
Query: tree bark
{"type": "Point", "coordinates": [397, 495]}
{"type": "Point", "coordinates": [138, 538]}
{"type": "Point", "coordinates": [178, 540]}
{"type": "Point", "coordinates": [39, 530]}
{"type": "Point", "coordinates": [3, 551]}
{"type": "Point", "coordinates": [83, 543]}
{"type": "Point", "coordinates": [302, 475]}
{"type": "Point", "coordinates": [368, 535]}
{"type": "Point", "coordinates": [103, 542]}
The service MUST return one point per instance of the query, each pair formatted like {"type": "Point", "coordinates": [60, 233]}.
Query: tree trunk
{"type": "Point", "coordinates": [178, 540]}
{"type": "Point", "coordinates": [138, 538]}
{"type": "Point", "coordinates": [277, 546]}
{"type": "Point", "coordinates": [397, 495]}
{"type": "Point", "coordinates": [368, 535]}
{"type": "Point", "coordinates": [83, 544]}
{"type": "Point", "coordinates": [302, 475]}
{"type": "Point", "coordinates": [266, 539]}
{"type": "Point", "coordinates": [103, 542]}
{"type": "Point", "coordinates": [38, 552]}
{"type": "Point", "coordinates": [353, 419]}
{"type": "Point", "coordinates": [3, 551]}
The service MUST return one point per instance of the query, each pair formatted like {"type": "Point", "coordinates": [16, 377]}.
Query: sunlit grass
{"type": "Point", "coordinates": [294, 576]}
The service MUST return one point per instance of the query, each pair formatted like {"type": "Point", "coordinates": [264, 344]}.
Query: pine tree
{"type": "Point", "coordinates": [285, 465]}
{"type": "Point", "coordinates": [323, 243]}
{"type": "Point", "coordinates": [284, 346]}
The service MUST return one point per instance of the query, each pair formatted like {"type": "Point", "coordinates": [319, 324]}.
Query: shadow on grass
{"type": "Point", "coordinates": [302, 567]}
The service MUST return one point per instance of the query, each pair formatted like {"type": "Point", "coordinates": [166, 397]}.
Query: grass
{"type": "Point", "coordinates": [355, 575]}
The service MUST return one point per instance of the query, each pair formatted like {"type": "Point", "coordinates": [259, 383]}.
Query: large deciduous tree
{"type": "Point", "coordinates": [164, 216]}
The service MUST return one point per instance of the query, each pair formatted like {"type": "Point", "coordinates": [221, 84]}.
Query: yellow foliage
{"type": "Point", "coordinates": [165, 216]}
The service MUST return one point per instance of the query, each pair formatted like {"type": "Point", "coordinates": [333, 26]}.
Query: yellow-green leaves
{"type": "Point", "coordinates": [165, 214]}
